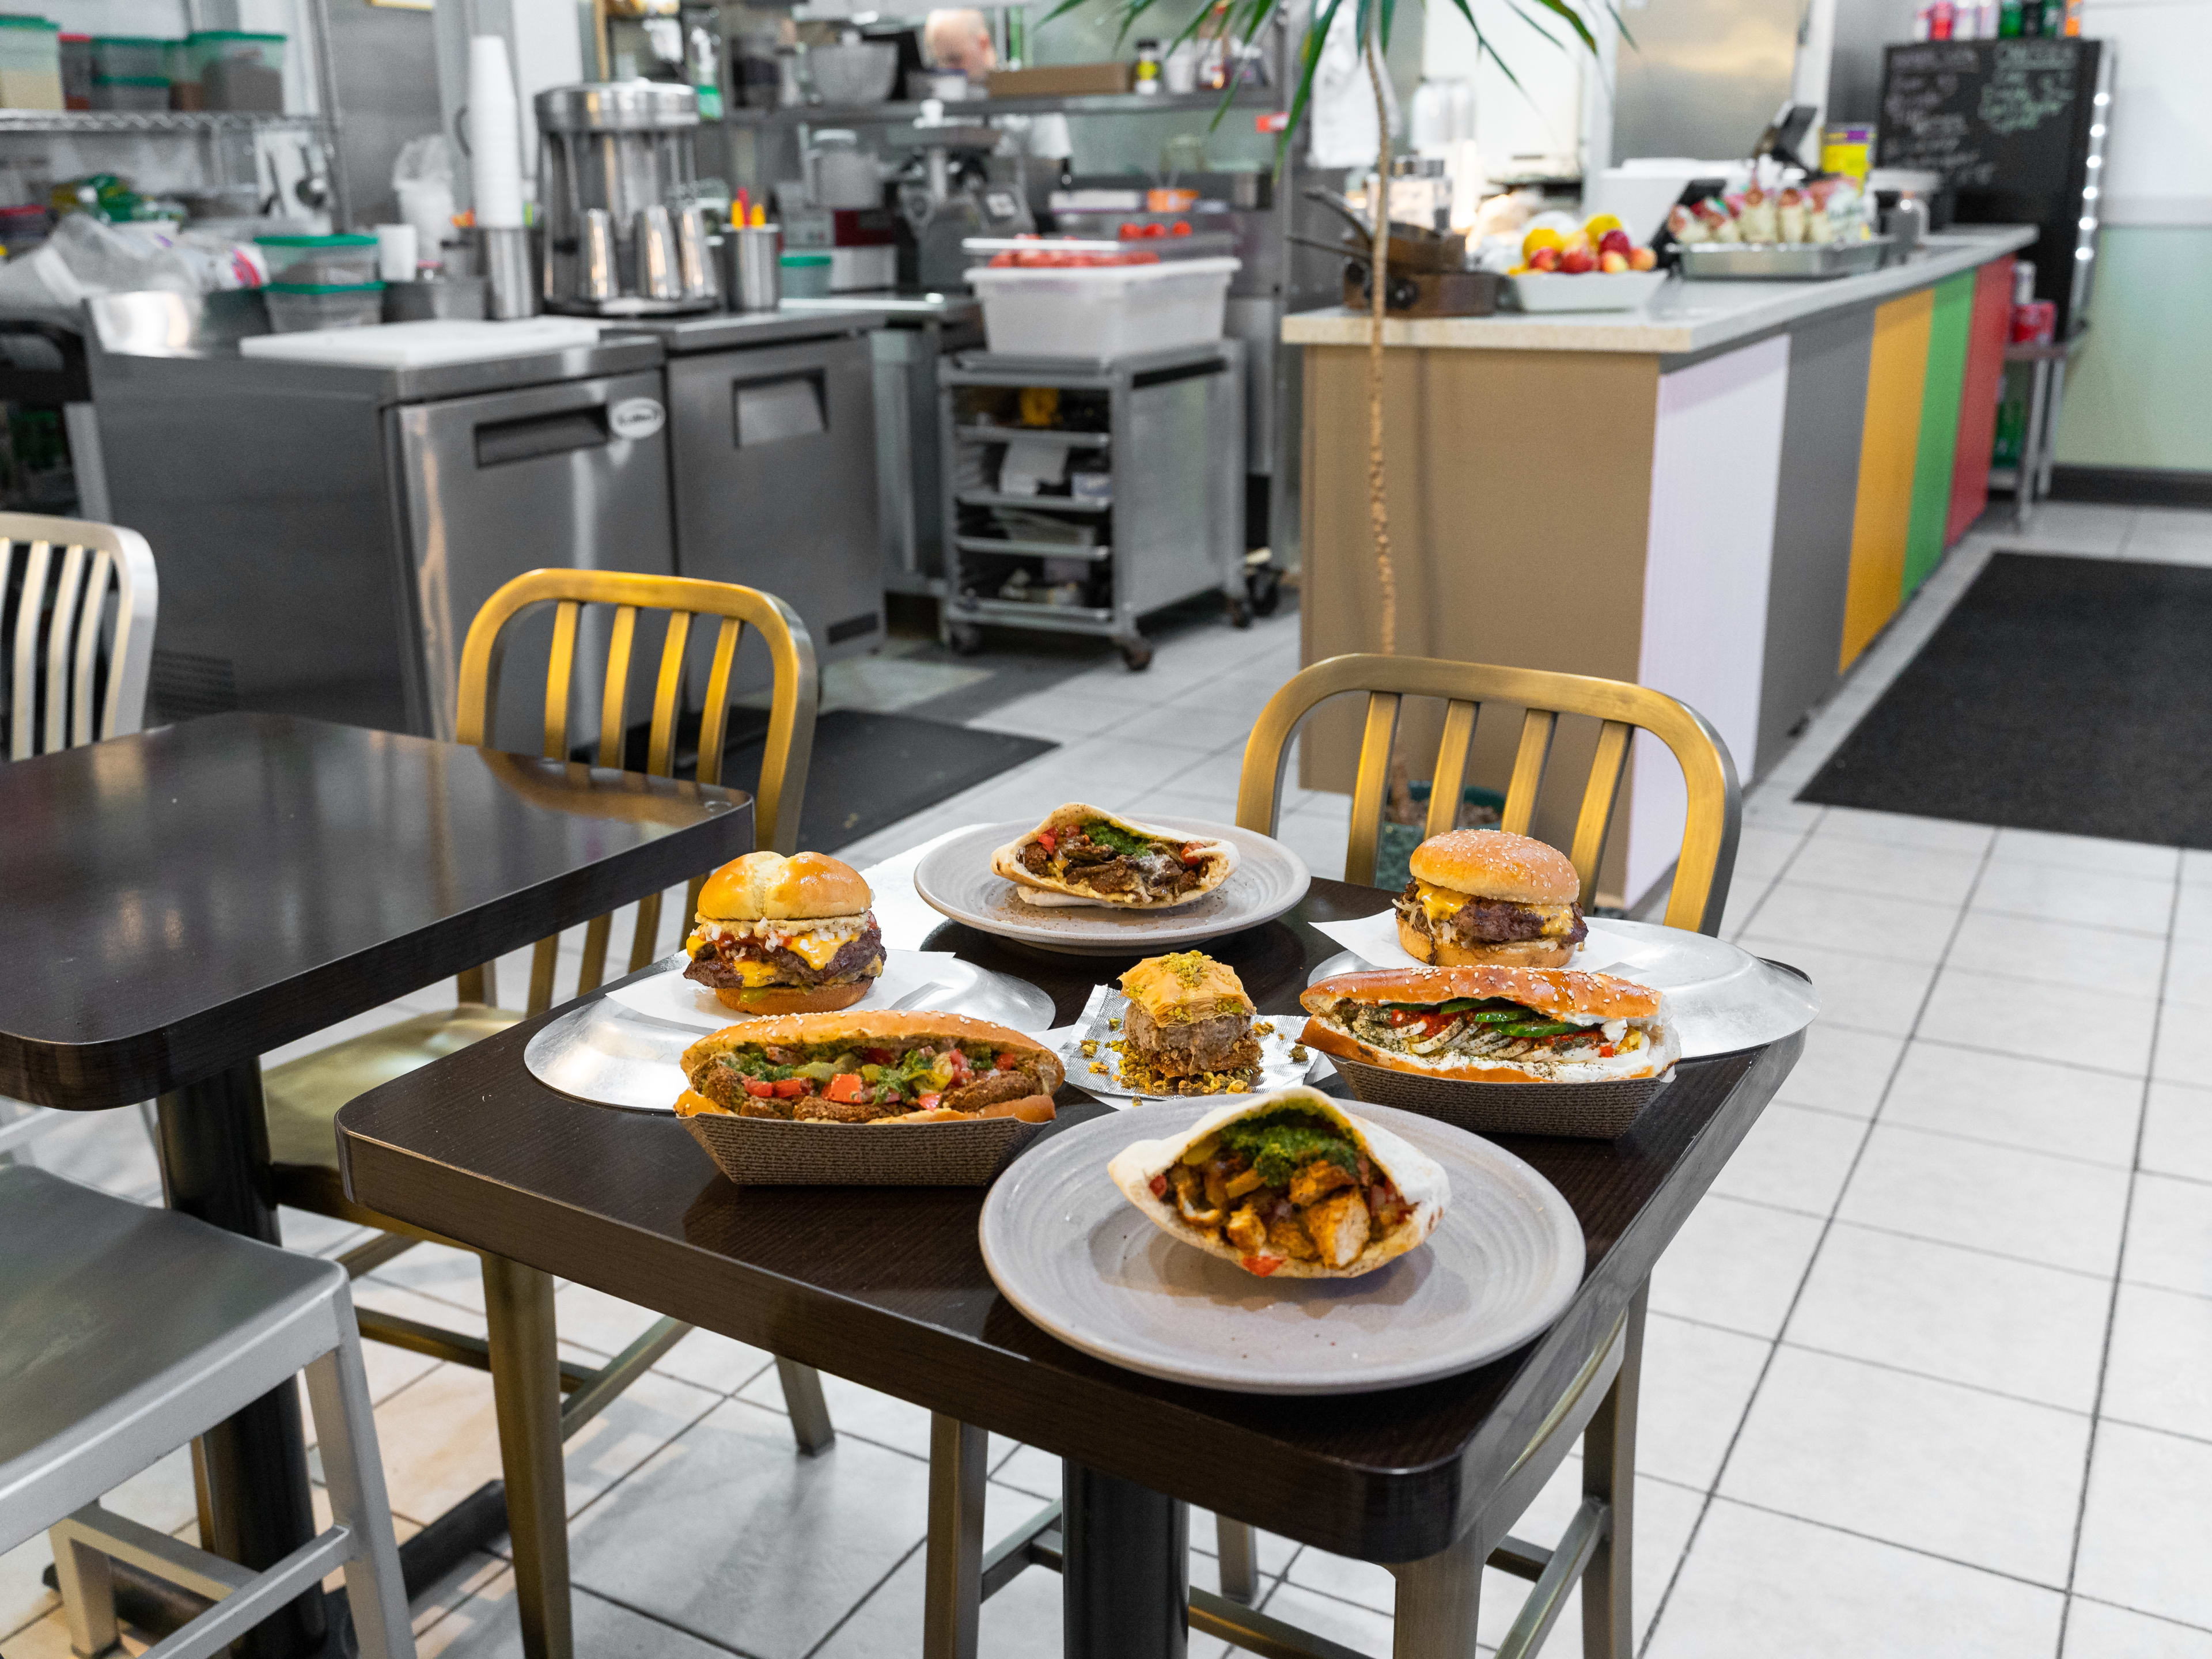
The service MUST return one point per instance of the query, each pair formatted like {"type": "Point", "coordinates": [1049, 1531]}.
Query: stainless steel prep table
{"type": "Point", "coordinates": [771, 424]}
{"type": "Point", "coordinates": [325, 531]}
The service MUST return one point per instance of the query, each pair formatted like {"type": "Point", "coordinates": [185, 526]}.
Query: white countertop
{"type": "Point", "coordinates": [1683, 317]}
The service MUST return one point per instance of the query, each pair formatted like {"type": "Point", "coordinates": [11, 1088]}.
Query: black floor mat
{"type": "Point", "coordinates": [2061, 694]}
{"type": "Point", "coordinates": [871, 770]}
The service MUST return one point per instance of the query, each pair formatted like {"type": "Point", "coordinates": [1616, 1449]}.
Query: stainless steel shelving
{"type": "Point", "coordinates": [978, 109]}
{"type": "Point", "coordinates": [107, 120]}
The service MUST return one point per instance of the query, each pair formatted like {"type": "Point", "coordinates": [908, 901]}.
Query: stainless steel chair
{"type": "Point", "coordinates": [301, 1096]}
{"type": "Point", "coordinates": [80, 645]}
{"type": "Point", "coordinates": [1438, 1598]}
{"type": "Point", "coordinates": [130, 1330]}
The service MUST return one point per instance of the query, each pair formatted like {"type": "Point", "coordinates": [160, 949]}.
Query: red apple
{"type": "Point", "coordinates": [1615, 242]}
{"type": "Point", "coordinates": [1580, 260]}
{"type": "Point", "coordinates": [1642, 258]}
{"type": "Point", "coordinates": [1544, 258]}
{"type": "Point", "coordinates": [1612, 262]}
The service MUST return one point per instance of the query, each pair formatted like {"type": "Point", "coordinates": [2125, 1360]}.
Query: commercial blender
{"type": "Point", "coordinates": [617, 174]}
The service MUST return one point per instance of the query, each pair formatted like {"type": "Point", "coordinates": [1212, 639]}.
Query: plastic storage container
{"type": "Point", "coordinates": [805, 275]}
{"type": "Point", "coordinates": [131, 57]}
{"type": "Point", "coordinates": [235, 70]}
{"type": "Point", "coordinates": [1100, 311]}
{"type": "Point", "coordinates": [30, 63]}
{"type": "Point", "coordinates": [137, 94]}
{"type": "Point", "coordinates": [76, 71]}
{"type": "Point", "coordinates": [298, 307]}
{"type": "Point", "coordinates": [22, 228]}
{"type": "Point", "coordinates": [319, 261]}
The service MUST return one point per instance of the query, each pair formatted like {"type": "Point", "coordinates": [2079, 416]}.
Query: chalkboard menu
{"type": "Point", "coordinates": [2008, 124]}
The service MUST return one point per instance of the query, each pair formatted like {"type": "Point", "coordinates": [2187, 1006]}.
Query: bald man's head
{"type": "Point", "coordinates": [959, 40]}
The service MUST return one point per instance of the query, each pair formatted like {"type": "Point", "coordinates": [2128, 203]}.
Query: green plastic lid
{"type": "Point", "coordinates": [230, 34]}
{"type": "Point", "coordinates": [28, 23]}
{"type": "Point", "coordinates": [131, 80]}
{"type": "Point", "coordinates": [807, 259]}
{"type": "Point", "coordinates": [133, 41]}
{"type": "Point", "coordinates": [325, 288]}
{"type": "Point", "coordinates": [346, 240]}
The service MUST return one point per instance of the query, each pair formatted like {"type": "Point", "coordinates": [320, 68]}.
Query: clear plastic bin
{"type": "Point", "coordinates": [131, 57]}
{"type": "Point", "coordinates": [236, 70]}
{"type": "Point", "coordinates": [1100, 311]}
{"type": "Point", "coordinates": [30, 63]}
{"type": "Point", "coordinates": [344, 261]}
{"type": "Point", "coordinates": [138, 95]}
{"type": "Point", "coordinates": [298, 308]}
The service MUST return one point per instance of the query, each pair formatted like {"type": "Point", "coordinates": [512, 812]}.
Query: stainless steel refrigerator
{"type": "Point", "coordinates": [1703, 77]}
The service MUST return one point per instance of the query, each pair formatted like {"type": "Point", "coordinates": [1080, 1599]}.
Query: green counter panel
{"type": "Point", "coordinates": [1950, 326]}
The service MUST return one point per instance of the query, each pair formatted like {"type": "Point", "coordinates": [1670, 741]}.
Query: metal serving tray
{"type": "Point", "coordinates": [1792, 262]}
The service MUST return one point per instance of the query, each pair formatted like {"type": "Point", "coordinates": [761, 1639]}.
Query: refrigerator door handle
{"type": "Point", "coordinates": [499, 443]}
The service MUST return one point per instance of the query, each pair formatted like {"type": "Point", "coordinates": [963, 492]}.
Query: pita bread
{"type": "Point", "coordinates": [1217, 860]}
{"type": "Point", "coordinates": [1420, 1180]}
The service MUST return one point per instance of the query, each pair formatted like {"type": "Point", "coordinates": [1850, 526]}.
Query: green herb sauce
{"type": "Point", "coordinates": [1280, 1143]}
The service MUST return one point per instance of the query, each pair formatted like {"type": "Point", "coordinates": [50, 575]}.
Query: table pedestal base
{"type": "Point", "coordinates": [1126, 1578]}
{"type": "Point", "coordinates": [215, 1166]}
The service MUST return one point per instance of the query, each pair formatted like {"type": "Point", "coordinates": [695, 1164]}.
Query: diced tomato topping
{"type": "Point", "coordinates": [1193, 853]}
{"type": "Point", "coordinates": [789, 1088]}
{"type": "Point", "coordinates": [757, 1089]}
{"type": "Point", "coordinates": [847, 1087]}
{"type": "Point", "coordinates": [1262, 1265]}
{"type": "Point", "coordinates": [1006, 1062]}
{"type": "Point", "coordinates": [1605, 1050]}
{"type": "Point", "coordinates": [1047, 839]}
{"type": "Point", "coordinates": [1159, 1186]}
{"type": "Point", "coordinates": [927, 1102]}
{"type": "Point", "coordinates": [1401, 1017]}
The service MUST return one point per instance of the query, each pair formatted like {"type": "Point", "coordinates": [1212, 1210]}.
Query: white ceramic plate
{"type": "Point", "coordinates": [955, 879]}
{"type": "Point", "coordinates": [935, 980]}
{"type": "Point", "coordinates": [1722, 998]}
{"type": "Point", "coordinates": [1077, 1258]}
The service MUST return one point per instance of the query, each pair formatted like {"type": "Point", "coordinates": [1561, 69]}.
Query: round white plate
{"type": "Point", "coordinates": [935, 980]}
{"type": "Point", "coordinates": [1078, 1260]}
{"type": "Point", "coordinates": [955, 879]}
{"type": "Point", "coordinates": [1722, 998]}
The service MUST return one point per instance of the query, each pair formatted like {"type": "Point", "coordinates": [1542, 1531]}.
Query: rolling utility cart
{"type": "Point", "coordinates": [1085, 495]}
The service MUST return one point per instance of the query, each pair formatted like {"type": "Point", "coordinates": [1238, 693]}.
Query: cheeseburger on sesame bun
{"type": "Point", "coordinates": [779, 935]}
{"type": "Point", "coordinates": [1488, 898]}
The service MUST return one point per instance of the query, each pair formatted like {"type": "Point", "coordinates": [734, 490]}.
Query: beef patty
{"type": "Point", "coordinates": [713, 965]}
{"type": "Point", "coordinates": [1486, 921]}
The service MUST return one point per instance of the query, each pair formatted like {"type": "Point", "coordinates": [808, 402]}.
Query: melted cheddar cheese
{"type": "Point", "coordinates": [817, 949]}
{"type": "Point", "coordinates": [1441, 904]}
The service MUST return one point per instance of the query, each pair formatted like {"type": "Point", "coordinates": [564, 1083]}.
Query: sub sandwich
{"type": "Point", "coordinates": [778, 935]}
{"type": "Point", "coordinates": [1290, 1183]}
{"type": "Point", "coordinates": [1493, 1024]}
{"type": "Point", "coordinates": [1081, 855]}
{"type": "Point", "coordinates": [886, 1068]}
{"type": "Point", "coordinates": [1189, 1028]}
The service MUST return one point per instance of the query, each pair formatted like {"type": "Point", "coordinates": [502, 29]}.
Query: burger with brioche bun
{"type": "Point", "coordinates": [779, 935]}
{"type": "Point", "coordinates": [1489, 898]}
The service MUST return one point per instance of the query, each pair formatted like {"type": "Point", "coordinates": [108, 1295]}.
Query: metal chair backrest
{"type": "Point", "coordinates": [1709, 837]}
{"type": "Point", "coordinates": [796, 690]}
{"type": "Point", "coordinates": [63, 626]}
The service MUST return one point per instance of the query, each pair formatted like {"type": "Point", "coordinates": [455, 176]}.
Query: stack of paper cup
{"type": "Point", "coordinates": [495, 136]}
{"type": "Point", "coordinates": [396, 247]}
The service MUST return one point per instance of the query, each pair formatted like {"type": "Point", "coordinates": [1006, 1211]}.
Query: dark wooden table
{"type": "Point", "coordinates": [180, 902]}
{"type": "Point", "coordinates": [886, 1286]}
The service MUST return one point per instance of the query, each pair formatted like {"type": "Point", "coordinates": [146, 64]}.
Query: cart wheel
{"type": "Point", "coordinates": [1137, 655]}
{"type": "Point", "coordinates": [1240, 614]}
{"type": "Point", "coordinates": [1267, 590]}
{"type": "Point", "coordinates": [965, 638]}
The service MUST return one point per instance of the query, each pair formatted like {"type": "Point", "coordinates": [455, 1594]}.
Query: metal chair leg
{"type": "Point", "coordinates": [952, 1573]}
{"type": "Point", "coordinates": [1238, 1556]}
{"type": "Point", "coordinates": [86, 1578]}
{"type": "Point", "coordinates": [337, 1394]}
{"type": "Point", "coordinates": [1439, 1600]}
{"type": "Point", "coordinates": [525, 1380]}
{"type": "Point", "coordinates": [809, 1412]}
{"type": "Point", "coordinates": [1609, 1477]}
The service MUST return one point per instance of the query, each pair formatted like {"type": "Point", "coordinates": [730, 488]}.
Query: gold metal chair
{"type": "Point", "coordinates": [303, 1096]}
{"type": "Point", "coordinates": [1438, 1598]}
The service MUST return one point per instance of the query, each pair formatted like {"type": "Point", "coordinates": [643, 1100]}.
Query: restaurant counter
{"type": "Point", "coordinates": [1724, 495]}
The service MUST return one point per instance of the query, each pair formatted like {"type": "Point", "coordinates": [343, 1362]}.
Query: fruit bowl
{"type": "Point", "coordinates": [1590, 291]}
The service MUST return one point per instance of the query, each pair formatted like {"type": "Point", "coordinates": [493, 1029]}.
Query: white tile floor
{"type": "Point", "coordinates": [1929, 1373]}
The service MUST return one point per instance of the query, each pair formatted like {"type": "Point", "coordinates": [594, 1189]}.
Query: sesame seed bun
{"type": "Point", "coordinates": [1497, 863]}
{"type": "Point", "coordinates": [769, 887]}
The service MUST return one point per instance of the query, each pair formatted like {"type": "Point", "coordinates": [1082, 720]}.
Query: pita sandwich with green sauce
{"type": "Point", "coordinates": [1291, 1184]}
{"type": "Point", "coordinates": [1082, 855]}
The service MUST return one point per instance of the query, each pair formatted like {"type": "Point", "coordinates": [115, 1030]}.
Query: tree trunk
{"type": "Point", "coordinates": [1378, 508]}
